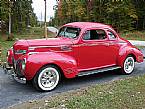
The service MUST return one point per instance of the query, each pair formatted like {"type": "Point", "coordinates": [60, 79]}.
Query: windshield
{"type": "Point", "coordinates": [69, 32]}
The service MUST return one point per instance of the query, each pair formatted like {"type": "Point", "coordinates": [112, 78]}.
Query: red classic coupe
{"type": "Point", "coordinates": [80, 48]}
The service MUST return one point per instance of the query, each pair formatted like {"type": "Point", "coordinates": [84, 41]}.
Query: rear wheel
{"type": "Point", "coordinates": [128, 65]}
{"type": "Point", "coordinates": [47, 78]}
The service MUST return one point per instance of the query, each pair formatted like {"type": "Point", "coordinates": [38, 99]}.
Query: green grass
{"type": "Point", "coordinates": [136, 35]}
{"type": "Point", "coordinates": [5, 45]}
{"type": "Point", "coordinates": [140, 47]}
{"type": "Point", "coordinates": [120, 94]}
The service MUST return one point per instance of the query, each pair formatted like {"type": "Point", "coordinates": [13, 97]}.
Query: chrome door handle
{"type": "Point", "coordinates": [66, 48]}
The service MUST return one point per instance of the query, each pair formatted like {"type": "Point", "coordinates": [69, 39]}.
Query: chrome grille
{"type": "Point", "coordinates": [17, 67]}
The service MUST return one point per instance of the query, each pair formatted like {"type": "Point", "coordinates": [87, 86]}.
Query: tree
{"type": "Point", "coordinates": [4, 13]}
{"type": "Point", "coordinates": [140, 9]}
{"type": "Point", "coordinates": [122, 14]}
{"type": "Point", "coordinates": [21, 12]}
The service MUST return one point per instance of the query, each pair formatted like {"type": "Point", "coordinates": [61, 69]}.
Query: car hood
{"type": "Point", "coordinates": [49, 42]}
{"type": "Point", "coordinates": [25, 44]}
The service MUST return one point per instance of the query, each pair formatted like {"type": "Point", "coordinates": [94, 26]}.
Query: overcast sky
{"type": "Point", "coordinates": [38, 6]}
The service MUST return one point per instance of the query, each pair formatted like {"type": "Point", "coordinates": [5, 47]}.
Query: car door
{"type": "Point", "coordinates": [94, 52]}
{"type": "Point", "coordinates": [113, 44]}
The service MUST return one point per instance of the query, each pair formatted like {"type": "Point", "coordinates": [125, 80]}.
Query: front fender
{"type": "Point", "coordinates": [34, 62]}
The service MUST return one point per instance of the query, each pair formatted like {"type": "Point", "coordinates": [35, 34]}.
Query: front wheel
{"type": "Point", "coordinates": [47, 78]}
{"type": "Point", "coordinates": [128, 65]}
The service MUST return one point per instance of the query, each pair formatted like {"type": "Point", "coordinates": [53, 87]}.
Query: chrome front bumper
{"type": "Point", "coordinates": [10, 71]}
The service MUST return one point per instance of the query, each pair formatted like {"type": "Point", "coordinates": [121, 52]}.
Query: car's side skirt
{"type": "Point", "coordinates": [82, 73]}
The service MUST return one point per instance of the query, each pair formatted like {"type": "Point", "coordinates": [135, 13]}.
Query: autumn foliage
{"type": "Point", "coordinates": [121, 14]}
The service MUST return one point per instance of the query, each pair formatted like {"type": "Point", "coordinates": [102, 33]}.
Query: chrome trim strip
{"type": "Point", "coordinates": [97, 71]}
{"type": "Point", "coordinates": [20, 53]}
{"type": "Point", "coordinates": [30, 53]}
{"type": "Point", "coordinates": [32, 48]}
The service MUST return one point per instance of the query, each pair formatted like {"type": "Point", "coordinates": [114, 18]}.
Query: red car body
{"type": "Point", "coordinates": [73, 55]}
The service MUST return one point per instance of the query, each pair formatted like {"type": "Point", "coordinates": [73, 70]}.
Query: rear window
{"type": "Point", "coordinates": [111, 35]}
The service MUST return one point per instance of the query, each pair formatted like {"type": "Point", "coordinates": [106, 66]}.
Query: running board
{"type": "Point", "coordinates": [83, 73]}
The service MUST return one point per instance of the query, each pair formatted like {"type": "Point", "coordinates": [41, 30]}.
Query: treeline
{"type": "Point", "coordinates": [121, 14]}
{"type": "Point", "coordinates": [22, 15]}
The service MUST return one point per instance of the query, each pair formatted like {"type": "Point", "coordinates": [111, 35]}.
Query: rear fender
{"type": "Point", "coordinates": [35, 62]}
{"type": "Point", "coordinates": [123, 53]}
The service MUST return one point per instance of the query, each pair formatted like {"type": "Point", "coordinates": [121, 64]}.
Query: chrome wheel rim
{"type": "Point", "coordinates": [129, 65]}
{"type": "Point", "coordinates": [48, 79]}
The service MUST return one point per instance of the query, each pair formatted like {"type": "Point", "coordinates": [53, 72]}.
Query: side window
{"type": "Point", "coordinates": [87, 35]}
{"type": "Point", "coordinates": [111, 35]}
{"type": "Point", "coordinates": [101, 34]}
{"type": "Point", "coordinates": [95, 35]}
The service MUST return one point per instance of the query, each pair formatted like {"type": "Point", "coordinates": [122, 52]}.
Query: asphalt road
{"type": "Point", "coordinates": [12, 93]}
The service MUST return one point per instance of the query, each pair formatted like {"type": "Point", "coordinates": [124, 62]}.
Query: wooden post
{"type": "Point", "coordinates": [45, 26]}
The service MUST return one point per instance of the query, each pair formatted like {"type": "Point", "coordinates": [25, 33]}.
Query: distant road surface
{"type": "Point", "coordinates": [137, 43]}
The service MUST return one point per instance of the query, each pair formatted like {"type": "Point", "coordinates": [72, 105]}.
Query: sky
{"type": "Point", "coordinates": [38, 6]}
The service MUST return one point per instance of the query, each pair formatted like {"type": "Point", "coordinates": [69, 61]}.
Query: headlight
{"type": "Point", "coordinates": [8, 52]}
{"type": "Point", "coordinates": [20, 52]}
{"type": "Point", "coordinates": [7, 55]}
{"type": "Point", "coordinates": [23, 63]}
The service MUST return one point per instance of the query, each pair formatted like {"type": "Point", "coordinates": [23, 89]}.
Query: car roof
{"type": "Point", "coordinates": [88, 25]}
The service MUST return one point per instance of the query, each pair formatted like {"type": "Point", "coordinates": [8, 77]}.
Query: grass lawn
{"type": "Point", "coordinates": [136, 35]}
{"type": "Point", "coordinates": [120, 94]}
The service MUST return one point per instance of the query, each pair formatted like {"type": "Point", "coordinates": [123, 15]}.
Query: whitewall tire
{"type": "Point", "coordinates": [47, 78]}
{"type": "Point", "coordinates": [128, 65]}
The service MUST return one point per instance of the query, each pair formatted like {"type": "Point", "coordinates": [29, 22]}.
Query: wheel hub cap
{"type": "Point", "coordinates": [129, 65]}
{"type": "Point", "coordinates": [48, 78]}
